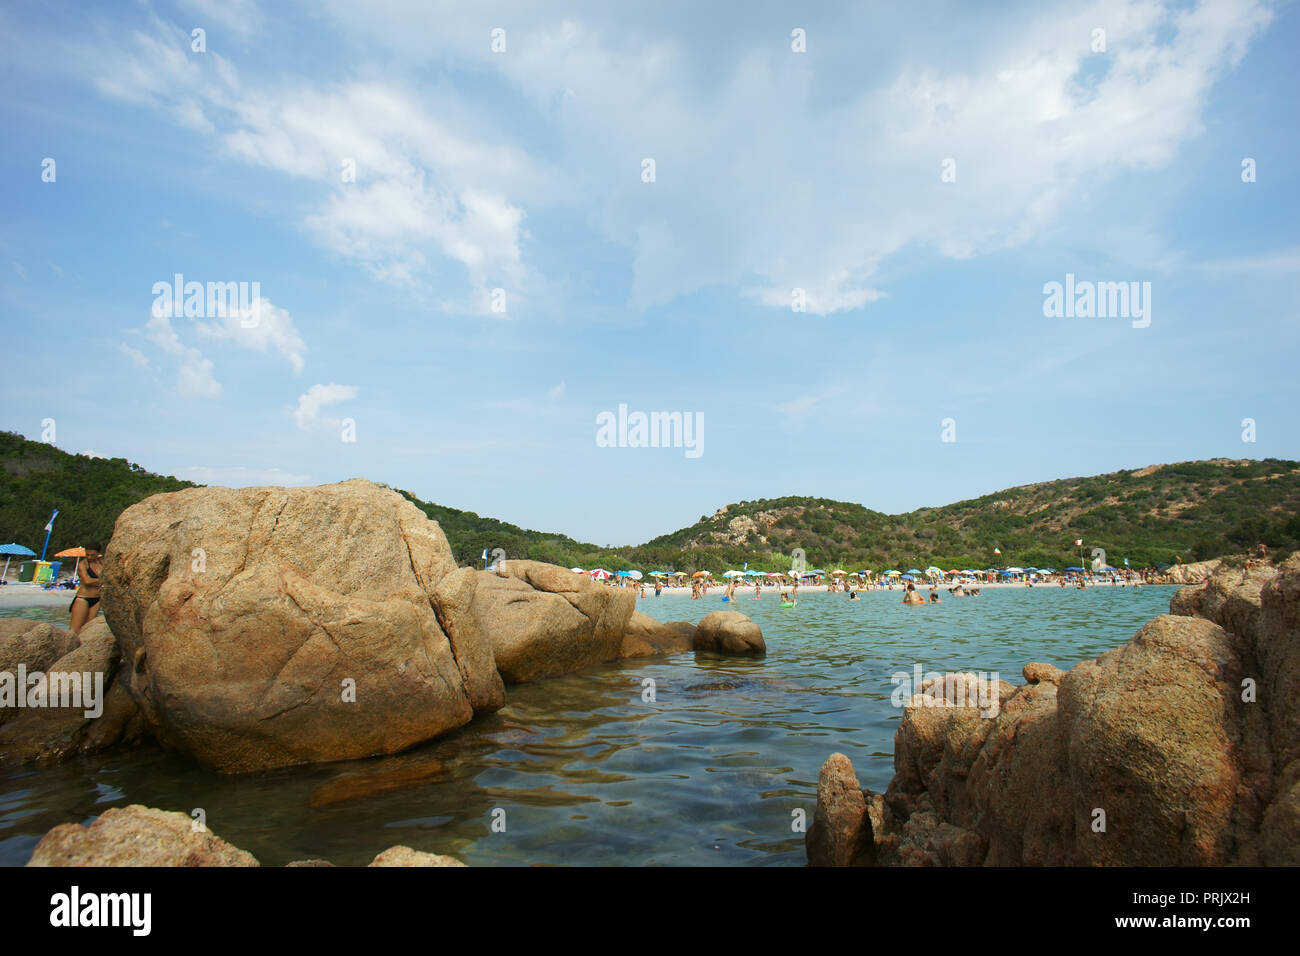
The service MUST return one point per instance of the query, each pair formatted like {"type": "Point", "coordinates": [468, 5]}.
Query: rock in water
{"type": "Point", "coordinates": [544, 620]}
{"type": "Point", "coordinates": [840, 834]}
{"type": "Point", "coordinates": [265, 627]}
{"type": "Point", "coordinates": [646, 637]}
{"type": "Point", "coordinates": [1181, 747]}
{"type": "Point", "coordinates": [136, 836]}
{"type": "Point", "coordinates": [405, 856]}
{"type": "Point", "coordinates": [86, 678]}
{"type": "Point", "coordinates": [729, 632]}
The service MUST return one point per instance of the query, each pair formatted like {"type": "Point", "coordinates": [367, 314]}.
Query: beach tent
{"type": "Point", "coordinates": [15, 551]}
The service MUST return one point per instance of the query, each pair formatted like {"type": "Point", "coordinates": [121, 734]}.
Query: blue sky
{"type": "Point", "coordinates": [522, 170]}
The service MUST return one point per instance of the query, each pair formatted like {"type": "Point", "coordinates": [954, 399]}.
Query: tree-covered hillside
{"type": "Point", "coordinates": [1190, 510]}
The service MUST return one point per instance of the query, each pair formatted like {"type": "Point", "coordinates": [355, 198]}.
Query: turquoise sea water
{"type": "Point", "coordinates": [581, 770]}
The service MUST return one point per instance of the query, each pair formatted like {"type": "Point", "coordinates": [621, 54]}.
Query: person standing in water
{"type": "Point", "coordinates": [85, 606]}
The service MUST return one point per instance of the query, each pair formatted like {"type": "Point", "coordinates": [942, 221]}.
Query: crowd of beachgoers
{"type": "Point", "coordinates": [913, 585]}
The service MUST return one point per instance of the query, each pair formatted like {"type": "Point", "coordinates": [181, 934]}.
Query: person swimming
{"type": "Point", "coordinates": [911, 595]}
{"type": "Point", "coordinates": [934, 595]}
{"type": "Point", "coordinates": [85, 606]}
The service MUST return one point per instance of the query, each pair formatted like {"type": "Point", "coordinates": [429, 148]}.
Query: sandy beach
{"type": "Point", "coordinates": [33, 595]}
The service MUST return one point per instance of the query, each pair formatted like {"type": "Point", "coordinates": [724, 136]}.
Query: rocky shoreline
{"type": "Point", "coordinates": [1181, 748]}
{"type": "Point", "coordinates": [260, 628]}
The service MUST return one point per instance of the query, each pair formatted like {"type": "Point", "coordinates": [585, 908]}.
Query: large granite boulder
{"type": "Point", "coordinates": [729, 632]}
{"type": "Point", "coordinates": [137, 836]}
{"type": "Point", "coordinates": [545, 620]}
{"type": "Point", "coordinates": [265, 627]}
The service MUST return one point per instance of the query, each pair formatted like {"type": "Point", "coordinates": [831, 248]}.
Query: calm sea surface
{"type": "Point", "coordinates": [580, 770]}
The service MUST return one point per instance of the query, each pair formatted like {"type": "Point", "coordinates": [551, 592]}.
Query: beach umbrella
{"type": "Point", "coordinates": [839, 571]}
{"type": "Point", "coordinates": [657, 574]}
{"type": "Point", "coordinates": [933, 570]}
{"type": "Point", "coordinates": [892, 572]}
{"type": "Point", "coordinates": [77, 553]}
{"type": "Point", "coordinates": [914, 571]}
{"type": "Point", "coordinates": [1014, 571]}
{"type": "Point", "coordinates": [600, 574]}
{"type": "Point", "coordinates": [15, 551]}
{"type": "Point", "coordinates": [1074, 569]}
{"type": "Point", "coordinates": [634, 575]}
{"type": "Point", "coordinates": [907, 577]}
{"type": "Point", "coordinates": [579, 570]}
{"type": "Point", "coordinates": [701, 574]}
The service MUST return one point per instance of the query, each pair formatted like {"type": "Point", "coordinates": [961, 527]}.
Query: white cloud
{"type": "Point", "coordinates": [241, 17]}
{"type": "Point", "coordinates": [194, 378]}
{"type": "Point", "coordinates": [307, 414]}
{"type": "Point", "coordinates": [138, 358]}
{"type": "Point", "coordinates": [22, 273]}
{"type": "Point", "coordinates": [774, 170]}
{"type": "Point", "coordinates": [556, 392]}
{"type": "Point", "coordinates": [270, 327]}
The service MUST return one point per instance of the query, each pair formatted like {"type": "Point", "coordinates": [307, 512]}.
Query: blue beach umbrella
{"type": "Point", "coordinates": [14, 551]}
{"type": "Point", "coordinates": [908, 577]}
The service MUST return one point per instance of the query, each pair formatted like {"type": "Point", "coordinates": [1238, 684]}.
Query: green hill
{"type": "Point", "coordinates": [1192, 510]}
{"type": "Point", "coordinates": [36, 478]}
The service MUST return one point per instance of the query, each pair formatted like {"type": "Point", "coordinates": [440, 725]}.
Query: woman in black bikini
{"type": "Point", "coordinates": [85, 605]}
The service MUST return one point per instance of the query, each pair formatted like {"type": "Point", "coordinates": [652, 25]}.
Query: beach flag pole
{"type": "Point", "coordinates": [49, 527]}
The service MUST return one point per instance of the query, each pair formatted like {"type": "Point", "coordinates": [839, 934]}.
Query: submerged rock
{"type": "Point", "coordinates": [729, 632]}
{"type": "Point", "coordinates": [136, 836]}
{"type": "Point", "coordinates": [405, 856]}
{"type": "Point", "coordinates": [265, 627]}
{"type": "Point", "coordinates": [1180, 748]}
